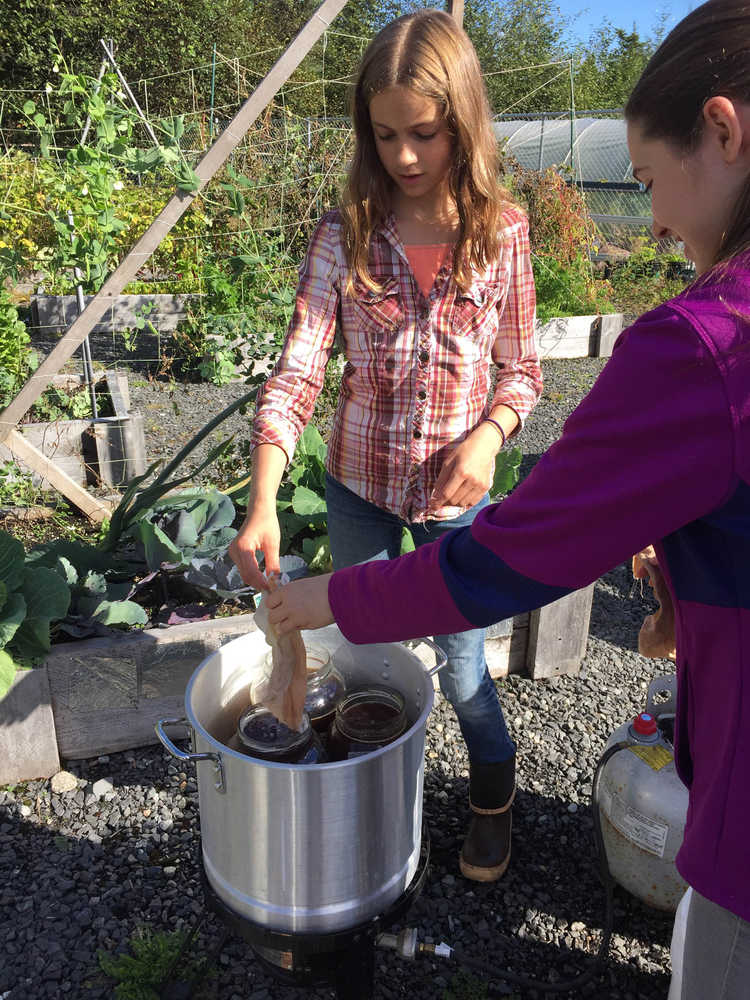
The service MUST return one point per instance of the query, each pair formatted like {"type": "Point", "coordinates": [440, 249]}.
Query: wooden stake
{"type": "Point", "coordinates": [175, 208]}
{"type": "Point", "coordinates": [25, 452]}
{"type": "Point", "coordinates": [456, 8]}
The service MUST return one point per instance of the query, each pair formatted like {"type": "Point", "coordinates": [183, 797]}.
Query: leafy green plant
{"type": "Point", "coordinates": [31, 597]}
{"type": "Point", "coordinates": [647, 278]}
{"type": "Point", "coordinates": [301, 505]}
{"type": "Point", "coordinates": [195, 524]}
{"type": "Point", "coordinates": [567, 289]}
{"type": "Point", "coordinates": [507, 465]}
{"type": "Point", "coordinates": [96, 603]}
{"type": "Point", "coordinates": [16, 486]}
{"type": "Point", "coordinates": [140, 976]}
{"type": "Point", "coordinates": [17, 359]}
{"type": "Point", "coordinates": [138, 499]}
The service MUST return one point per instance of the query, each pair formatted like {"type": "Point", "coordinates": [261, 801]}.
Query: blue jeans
{"type": "Point", "coordinates": [360, 531]}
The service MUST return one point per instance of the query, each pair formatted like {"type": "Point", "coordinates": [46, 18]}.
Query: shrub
{"type": "Point", "coordinates": [568, 290]}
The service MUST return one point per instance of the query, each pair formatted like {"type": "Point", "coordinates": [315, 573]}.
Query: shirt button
{"type": "Point", "coordinates": [417, 434]}
{"type": "Point", "coordinates": [424, 357]}
{"type": "Point", "coordinates": [421, 394]}
{"type": "Point", "coordinates": [424, 312]}
{"type": "Point", "coordinates": [390, 364]}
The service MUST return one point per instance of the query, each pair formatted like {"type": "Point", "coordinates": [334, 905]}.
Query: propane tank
{"type": "Point", "coordinates": [642, 803]}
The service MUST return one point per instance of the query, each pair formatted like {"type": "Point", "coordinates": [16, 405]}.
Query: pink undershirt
{"type": "Point", "coordinates": [425, 261]}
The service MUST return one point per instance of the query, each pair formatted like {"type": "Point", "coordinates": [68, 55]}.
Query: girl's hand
{"type": "Point", "coordinates": [259, 532]}
{"type": "Point", "coordinates": [300, 604]}
{"type": "Point", "coordinates": [467, 473]}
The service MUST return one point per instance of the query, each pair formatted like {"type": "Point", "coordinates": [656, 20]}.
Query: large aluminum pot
{"type": "Point", "coordinates": [307, 848]}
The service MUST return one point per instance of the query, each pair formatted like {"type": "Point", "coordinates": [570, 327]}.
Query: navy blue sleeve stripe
{"type": "Point", "coordinates": [484, 588]}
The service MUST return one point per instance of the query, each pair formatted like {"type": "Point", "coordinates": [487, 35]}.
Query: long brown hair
{"type": "Point", "coordinates": [706, 55]}
{"type": "Point", "coordinates": [429, 53]}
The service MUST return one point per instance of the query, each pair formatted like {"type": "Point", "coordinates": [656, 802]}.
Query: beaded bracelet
{"type": "Point", "coordinates": [489, 420]}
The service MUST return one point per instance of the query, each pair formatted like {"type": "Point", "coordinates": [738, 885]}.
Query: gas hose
{"type": "Point", "coordinates": [407, 946]}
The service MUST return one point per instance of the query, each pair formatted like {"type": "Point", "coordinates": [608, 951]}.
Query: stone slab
{"type": "Point", "coordinates": [28, 747]}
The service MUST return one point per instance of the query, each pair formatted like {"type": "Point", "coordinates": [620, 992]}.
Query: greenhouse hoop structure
{"type": "Point", "coordinates": [590, 150]}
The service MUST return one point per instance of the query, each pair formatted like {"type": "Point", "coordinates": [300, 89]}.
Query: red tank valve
{"type": "Point", "coordinates": [644, 724]}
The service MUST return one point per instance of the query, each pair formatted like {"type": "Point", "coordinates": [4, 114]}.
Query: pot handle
{"type": "Point", "coordinates": [440, 656]}
{"type": "Point", "coordinates": [219, 782]}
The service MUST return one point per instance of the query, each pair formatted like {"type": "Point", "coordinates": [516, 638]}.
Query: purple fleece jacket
{"type": "Point", "coordinates": [658, 452]}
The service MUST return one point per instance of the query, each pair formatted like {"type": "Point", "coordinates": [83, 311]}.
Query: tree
{"type": "Point", "coordinates": [514, 35]}
{"type": "Point", "coordinates": [610, 66]}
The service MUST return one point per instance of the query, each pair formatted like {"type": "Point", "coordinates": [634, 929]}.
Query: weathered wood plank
{"type": "Point", "coordinates": [558, 633]}
{"type": "Point", "coordinates": [61, 441]}
{"type": "Point", "coordinates": [23, 451]}
{"type": "Point", "coordinates": [28, 748]}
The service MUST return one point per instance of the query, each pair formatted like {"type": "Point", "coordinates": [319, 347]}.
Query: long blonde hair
{"type": "Point", "coordinates": [429, 53]}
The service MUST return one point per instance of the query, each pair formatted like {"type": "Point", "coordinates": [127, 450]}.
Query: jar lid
{"type": "Point", "coordinates": [371, 713]}
{"type": "Point", "coordinates": [262, 733]}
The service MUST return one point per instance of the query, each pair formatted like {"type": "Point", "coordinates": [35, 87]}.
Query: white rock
{"type": "Point", "coordinates": [102, 787]}
{"type": "Point", "coordinates": [63, 782]}
{"type": "Point", "coordinates": [25, 811]}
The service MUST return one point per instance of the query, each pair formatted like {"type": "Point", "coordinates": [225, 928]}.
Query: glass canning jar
{"type": "Point", "coordinates": [367, 718]}
{"type": "Point", "coordinates": [325, 688]}
{"type": "Point", "coordinates": [260, 734]}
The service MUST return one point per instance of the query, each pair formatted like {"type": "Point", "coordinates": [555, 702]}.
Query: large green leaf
{"type": "Point", "coordinates": [32, 639]}
{"type": "Point", "coordinates": [47, 594]}
{"type": "Point", "coordinates": [7, 672]}
{"type": "Point", "coordinates": [507, 465]}
{"type": "Point", "coordinates": [159, 549]}
{"type": "Point", "coordinates": [78, 555]}
{"type": "Point", "coordinates": [317, 553]}
{"type": "Point", "coordinates": [12, 615]}
{"type": "Point", "coordinates": [12, 558]}
{"type": "Point", "coordinates": [47, 598]}
{"type": "Point", "coordinates": [310, 443]}
{"type": "Point", "coordinates": [119, 613]}
{"type": "Point", "coordinates": [307, 503]}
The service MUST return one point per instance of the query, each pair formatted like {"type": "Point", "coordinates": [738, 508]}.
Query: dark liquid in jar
{"type": "Point", "coordinates": [321, 701]}
{"type": "Point", "coordinates": [325, 689]}
{"type": "Point", "coordinates": [365, 722]}
{"type": "Point", "coordinates": [261, 735]}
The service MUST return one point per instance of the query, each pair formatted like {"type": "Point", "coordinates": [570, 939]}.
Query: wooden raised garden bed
{"type": "Point", "coordinates": [104, 695]}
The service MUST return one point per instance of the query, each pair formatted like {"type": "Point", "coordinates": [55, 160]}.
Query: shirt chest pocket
{"type": "Point", "coordinates": [475, 312]}
{"type": "Point", "coordinates": [379, 315]}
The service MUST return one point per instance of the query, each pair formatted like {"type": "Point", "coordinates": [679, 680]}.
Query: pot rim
{"type": "Point", "coordinates": [217, 746]}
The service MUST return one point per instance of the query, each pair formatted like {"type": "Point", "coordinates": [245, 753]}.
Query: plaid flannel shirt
{"type": "Point", "coordinates": [417, 373]}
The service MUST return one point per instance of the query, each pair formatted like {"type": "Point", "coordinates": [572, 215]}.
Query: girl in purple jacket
{"type": "Point", "coordinates": [658, 452]}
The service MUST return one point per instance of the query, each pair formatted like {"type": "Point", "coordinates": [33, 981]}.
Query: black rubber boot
{"type": "Point", "coordinates": [486, 851]}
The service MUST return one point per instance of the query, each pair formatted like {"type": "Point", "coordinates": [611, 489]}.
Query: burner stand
{"type": "Point", "coordinates": [343, 959]}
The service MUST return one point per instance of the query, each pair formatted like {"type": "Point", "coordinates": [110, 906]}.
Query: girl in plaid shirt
{"type": "Point", "coordinates": [425, 272]}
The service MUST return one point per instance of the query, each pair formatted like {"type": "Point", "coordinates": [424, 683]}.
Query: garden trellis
{"type": "Point", "coordinates": [175, 208]}
{"type": "Point", "coordinates": [283, 169]}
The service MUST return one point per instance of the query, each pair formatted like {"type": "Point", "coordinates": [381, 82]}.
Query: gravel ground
{"type": "Point", "coordinates": [81, 870]}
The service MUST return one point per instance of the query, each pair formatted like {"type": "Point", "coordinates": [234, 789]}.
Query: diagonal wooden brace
{"type": "Point", "coordinates": [175, 208]}
{"type": "Point", "coordinates": [25, 452]}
